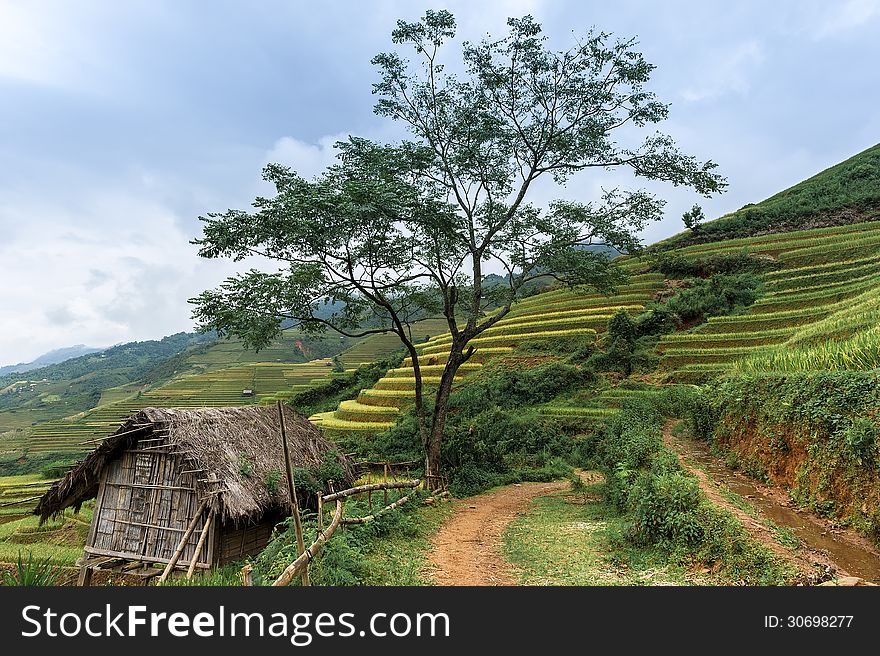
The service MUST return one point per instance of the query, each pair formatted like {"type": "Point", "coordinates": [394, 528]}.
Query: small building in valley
{"type": "Point", "coordinates": [204, 485]}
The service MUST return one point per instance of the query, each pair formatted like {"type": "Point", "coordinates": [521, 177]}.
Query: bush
{"type": "Point", "coordinates": [673, 265]}
{"type": "Point", "coordinates": [701, 416]}
{"type": "Point", "coordinates": [718, 295]}
{"type": "Point", "coordinates": [504, 387]}
{"type": "Point", "coordinates": [497, 447]}
{"type": "Point", "coordinates": [664, 508]}
{"type": "Point", "coordinates": [861, 440]}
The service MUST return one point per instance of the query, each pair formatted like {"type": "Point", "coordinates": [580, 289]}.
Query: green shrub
{"type": "Point", "coordinates": [715, 296]}
{"type": "Point", "coordinates": [861, 440]}
{"type": "Point", "coordinates": [664, 509]}
{"type": "Point", "coordinates": [673, 265]}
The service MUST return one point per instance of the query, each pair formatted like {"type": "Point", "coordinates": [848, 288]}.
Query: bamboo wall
{"type": "Point", "coordinates": [144, 506]}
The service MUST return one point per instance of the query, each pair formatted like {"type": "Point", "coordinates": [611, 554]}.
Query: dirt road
{"type": "Point", "coordinates": [467, 550]}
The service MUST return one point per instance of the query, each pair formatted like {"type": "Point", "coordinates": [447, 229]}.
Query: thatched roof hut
{"type": "Point", "coordinates": [165, 469]}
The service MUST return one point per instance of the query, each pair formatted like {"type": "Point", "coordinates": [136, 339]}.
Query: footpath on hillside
{"type": "Point", "coordinates": [468, 548]}
{"type": "Point", "coordinates": [823, 550]}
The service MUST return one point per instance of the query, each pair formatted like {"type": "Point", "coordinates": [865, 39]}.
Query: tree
{"type": "Point", "coordinates": [693, 218]}
{"type": "Point", "coordinates": [400, 232]}
{"type": "Point", "coordinates": [620, 341]}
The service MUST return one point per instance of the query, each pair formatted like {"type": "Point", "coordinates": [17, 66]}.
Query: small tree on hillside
{"type": "Point", "coordinates": [693, 218]}
{"type": "Point", "coordinates": [397, 233]}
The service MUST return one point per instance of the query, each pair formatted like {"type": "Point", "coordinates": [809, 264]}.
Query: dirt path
{"type": "Point", "coordinates": [825, 551]}
{"type": "Point", "coordinates": [467, 550]}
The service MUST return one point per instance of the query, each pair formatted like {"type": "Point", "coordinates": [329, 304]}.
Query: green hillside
{"type": "Point", "coordinates": [225, 369]}
{"type": "Point", "coordinates": [77, 384]}
{"type": "Point", "coordinates": [846, 193]}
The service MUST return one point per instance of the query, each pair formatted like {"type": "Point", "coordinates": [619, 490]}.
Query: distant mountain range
{"type": "Point", "coordinates": [52, 357]}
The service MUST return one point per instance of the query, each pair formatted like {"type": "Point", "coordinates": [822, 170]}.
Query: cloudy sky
{"type": "Point", "coordinates": [122, 122]}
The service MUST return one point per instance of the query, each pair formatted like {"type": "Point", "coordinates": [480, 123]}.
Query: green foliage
{"type": "Point", "coordinates": [675, 265]}
{"type": "Point", "coordinates": [719, 295]}
{"type": "Point", "coordinates": [861, 440]}
{"type": "Point", "coordinates": [664, 509]}
{"type": "Point", "coordinates": [491, 437]}
{"type": "Point", "coordinates": [32, 572]}
{"type": "Point", "coordinates": [576, 349]}
{"type": "Point", "coordinates": [228, 575]}
{"type": "Point", "coordinates": [620, 344]}
{"type": "Point", "coordinates": [338, 367]}
{"type": "Point", "coordinates": [693, 218]}
{"type": "Point", "coordinates": [349, 557]}
{"type": "Point", "coordinates": [502, 387]}
{"type": "Point", "coordinates": [46, 464]}
{"type": "Point", "coordinates": [245, 467]}
{"type": "Point", "coordinates": [271, 481]}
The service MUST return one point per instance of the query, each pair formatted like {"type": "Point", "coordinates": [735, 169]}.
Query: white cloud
{"type": "Point", "coordinates": [41, 43]}
{"type": "Point", "coordinates": [837, 18]}
{"type": "Point", "coordinates": [116, 267]}
{"type": "Point", "coordinates": [727, 72]}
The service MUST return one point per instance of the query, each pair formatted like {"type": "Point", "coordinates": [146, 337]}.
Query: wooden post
{"type": "Point", "coordinates": [291, 488]}
{"type": "Point", "coordinates": [370, 492]}
{"type": "Point", "coordinates": [385, 480]}
{"type": "Point", "coordinates": [85, 575]}
{"type": "Point", "coordinates": [320, 511]}
{"type": "Point", "coordinates": [247, 578]}
{"type": "Point", "coordinates": [183, 542]}
{"type": "Point", "coordinates": [199, 544]}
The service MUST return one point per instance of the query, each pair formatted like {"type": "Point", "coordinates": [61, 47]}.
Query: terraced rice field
{"type": "Point", "coordinates": [216, 387]}
{"type": "Point", "coordinates": [588, 409]}
{"type": "Point", "coordinates": [17, 493]}
{"type": "Point", "coordinates": [219, 388]}
{"type": "Point", "coordinates": [828, 285]}
{"type": "Point", "coordinates": [561, 313]}
{"type": "Point", "coordinates": [59, 540]}
{"type": "Point", "coordinates": [377, 347]}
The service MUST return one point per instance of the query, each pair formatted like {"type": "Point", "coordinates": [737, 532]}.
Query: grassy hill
{"type": "Point", "coordinates": [77, 384]}
{"type": "Point", "coordinates": [846, 193]}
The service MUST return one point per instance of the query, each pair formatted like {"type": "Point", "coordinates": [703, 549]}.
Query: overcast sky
{"type": "Point", "coordinates": [122, 122]}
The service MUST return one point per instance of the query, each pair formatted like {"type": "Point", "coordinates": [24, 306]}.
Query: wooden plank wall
{"type": "Point", "coordinates": [145, 507]}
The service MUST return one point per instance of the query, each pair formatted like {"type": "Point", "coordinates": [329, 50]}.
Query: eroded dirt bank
{"type": "Point", "coordinates": [826, 550]}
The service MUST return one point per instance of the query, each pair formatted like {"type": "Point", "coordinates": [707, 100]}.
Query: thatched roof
{"type": "Point", "coordinates": [240, 448]}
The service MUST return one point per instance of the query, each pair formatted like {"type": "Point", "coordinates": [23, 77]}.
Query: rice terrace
{"type": "Point", "coordinates": [476, 347]}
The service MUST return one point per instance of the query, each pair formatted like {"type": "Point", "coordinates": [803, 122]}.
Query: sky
{"type": "Point", "coordinates": [122, 122]}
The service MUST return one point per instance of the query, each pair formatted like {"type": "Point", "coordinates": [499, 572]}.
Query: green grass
{"type": "Point", "coordinates": [575, 539]}
{"type": "Point", "coordinates": [401, 558]}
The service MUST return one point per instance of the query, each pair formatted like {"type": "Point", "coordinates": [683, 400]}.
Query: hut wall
{"type": "Point", "coordinates": [144, 507]}
{"type": "Point", "coordinates": [237, 542]}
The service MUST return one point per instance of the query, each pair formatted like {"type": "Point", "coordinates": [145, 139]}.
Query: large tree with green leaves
{"type": "Point", "coordinates": [395, 233]}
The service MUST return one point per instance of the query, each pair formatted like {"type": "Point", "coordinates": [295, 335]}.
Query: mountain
{"type": "Point", "coordinates": [52, 357]}
{"type": "Point", "coordinates": [844, 194]}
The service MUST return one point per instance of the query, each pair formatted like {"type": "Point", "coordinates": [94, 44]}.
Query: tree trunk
{"type": "Point", "coordinates": [433, 468]}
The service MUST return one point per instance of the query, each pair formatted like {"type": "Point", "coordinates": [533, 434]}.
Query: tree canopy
{"type": "Point", "coordinates": [394, 233]}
